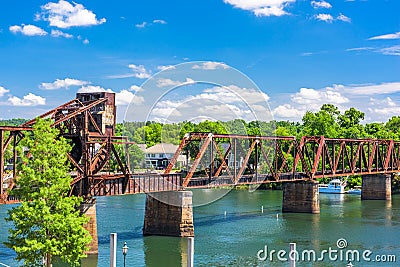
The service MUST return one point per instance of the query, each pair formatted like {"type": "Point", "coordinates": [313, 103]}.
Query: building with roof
{"type": "Point", "coordinates": [159, 155]}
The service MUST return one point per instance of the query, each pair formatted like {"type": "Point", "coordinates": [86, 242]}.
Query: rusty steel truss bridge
{"type": "Point", "coordinates": [212, 160]}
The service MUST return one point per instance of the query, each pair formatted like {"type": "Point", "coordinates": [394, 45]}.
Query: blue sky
{"type": "Point", "coordinates": [299, 54]}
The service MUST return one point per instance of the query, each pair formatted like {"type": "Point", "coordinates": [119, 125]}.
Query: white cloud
{"type": "Point", "coordinates": [318, 97]}
{"type": "Point", "coordinates": [170, 67]}
{"type": "Point", "coordinates": [92, 89]}
{"type": "Point", "coordinates": [360, 49]}
{"type": "Point", "coordinates": [58, 33]}
{"type": "Point", "coordinates": [217, 103]}
{"type": "Point", "coordinates": [391, 51]}
{"type": "Point", "coordinates": [139, 71]}
{"type": "Point", "coordinates": [122, 98]}
{"type": "Point", "coordinates": [141, 25]}
{"type": "Point", "coordinates": [262, 7]}
{"type": "Point", "coordinates": [126, 97]}
{"type": "Point", "coordinates": [211, 65]}
{"type": "Point", "coordinates": [324, 17]}
{"type": "Point", "coordinates": [371, 89]}
{"type": "Point", "coordinates": [65, 15]}
{"type": "Point", "coordinates": [3, 91]}
{"type": "Point", "coordinates": [288, 112]}
{"type": "Point", "coordinates": [147, 24]}
{"type": "Point", "coordinates": [390, 36]}
{"type": "Point", "coordinates": [28, 100]}
{"type": "Point", "coordinates": [159, 21]}
{"type": "Point", "coordinates": [384, 107]}
{"type": "Point", "coordinates": [135, 88]}
{"type": "Point", "coordinates": [320, 4]}
{"type": "Point", "coordinates": [164, 82]}
{"type": "Point", "coordinates": [65, 83]}
{"type": "Point", "coordinates": [29, 30]}
{"type": "Point", "coordinates": [343, 18]}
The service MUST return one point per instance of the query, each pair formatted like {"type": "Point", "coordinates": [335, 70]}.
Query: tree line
{"type": "Point", "coordinates": [327, 121]}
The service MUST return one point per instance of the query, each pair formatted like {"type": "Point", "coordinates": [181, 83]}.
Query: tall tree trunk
{"type": "Point", "coordinates": [48, 260]}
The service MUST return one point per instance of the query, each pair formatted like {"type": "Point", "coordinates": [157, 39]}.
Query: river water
{"type": "Point", "coordinates": [231, 231]}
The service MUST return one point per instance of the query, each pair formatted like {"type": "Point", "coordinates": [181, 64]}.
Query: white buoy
{"type": "Point", "coordinates": [262, 209]}
{"type": "Point", "coordinates": [277, 216]}
{"type": "Point", "coordinates": [225, 213]}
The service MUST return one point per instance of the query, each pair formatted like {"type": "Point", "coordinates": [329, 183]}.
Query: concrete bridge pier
{"type": "Point", "coordinates": [301, 197]}
{"type": "Point", "coordinates": [89, 208]}
{"type": "Point", "coordinates": [169, 213]}
{"type": "Point", "coordinates": [376, 187]}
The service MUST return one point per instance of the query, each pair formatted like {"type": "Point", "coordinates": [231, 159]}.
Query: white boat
{"type": "Point", "coordinates": [335, 186]}
{"type": "Point", "coordinates": [356, 190]}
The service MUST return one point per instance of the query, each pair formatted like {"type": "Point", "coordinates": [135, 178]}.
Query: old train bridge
{"type": "Point", "coordinates": [216, 160]}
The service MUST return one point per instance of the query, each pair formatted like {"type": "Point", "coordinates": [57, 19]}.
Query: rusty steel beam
{"type": "Point", "coordinates": [246, 159]}
{"type": "Point", "coordinates": [197, 159]}
{"type": "Point", "coordinates": [80, 110]}
{"type": "Point", "coordinates": [174, 159]}
{"type": "Point", "coordinates": [31, 122]}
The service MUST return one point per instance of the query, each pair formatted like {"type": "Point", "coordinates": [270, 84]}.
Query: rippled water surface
{"type": "Point", "coordinates": [234, 239]}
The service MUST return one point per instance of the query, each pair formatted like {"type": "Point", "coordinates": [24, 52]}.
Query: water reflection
{"type": "Point", "coordinates": [165, 251]}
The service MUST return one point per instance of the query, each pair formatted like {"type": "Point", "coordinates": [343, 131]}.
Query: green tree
{"type": "Point", "coordinates": [323, 122]}
{"type": "Point", "coordinates": [47, 224]}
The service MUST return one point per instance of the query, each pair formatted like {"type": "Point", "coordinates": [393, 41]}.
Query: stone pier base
{"type": "Point", "coordinates": [301, 197]}
{"type": "Point", "coordinates": [169, 213]}
{"type": "Point", "coordinates": [376, 187]}
{"type": "Point", "coordinates": [90, 210]}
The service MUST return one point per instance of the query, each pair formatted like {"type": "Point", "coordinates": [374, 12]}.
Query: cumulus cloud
{"type": "Point", "coordinates": [324, 17]}
{"type": "Point", "coordinates": [28, 100]}
{"type": "Point", "coordinates": [389, 36]}
{"type": "Point", "coordinates": [218, 103]}
{"type": "Point", "coordinates": [125, 97]}
{"type": "Point", "coordinates": [65, 83]}
{"type": "Point", "coordinates": [318, 97]}
{"type": "Point", "coordinates": [287, 111]}
{"type": "Point", "coordinates": [373, 99]}
{"type": "Point", "coordinates": [320, 4]}
{"type": "Point", "coordinates": [58, 33]}
{"type": "Point", "coordinates": [3, 91]}
{"type": "Point", "coordinates": [135, 88]}
{"type": "Point", "coordinates": [65, 15]}
{"type": "Point", "coordinates": [29, 30]}
{"type": "Point", "coordinates": [210, 65]}
{"type": "Point", "coordinates": [139, 71]}
{"type": "Point", "coordinates": [262, 7]}
{"type": "Point", "coordinates": [344, 18]}
{"type": "Point", "coordinates": [164, 82]}
{"type": "Point", "coordinates": [122, 98]}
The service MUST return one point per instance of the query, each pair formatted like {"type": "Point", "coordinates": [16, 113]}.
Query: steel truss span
{"type": "Point", "coordinates": [216, 160]}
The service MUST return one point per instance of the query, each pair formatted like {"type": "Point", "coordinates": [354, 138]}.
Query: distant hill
{"type": "Point", "coordinates": [12, 122]}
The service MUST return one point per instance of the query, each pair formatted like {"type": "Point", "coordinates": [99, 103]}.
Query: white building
{"type": "Point", "coordinates": [159, 155]}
